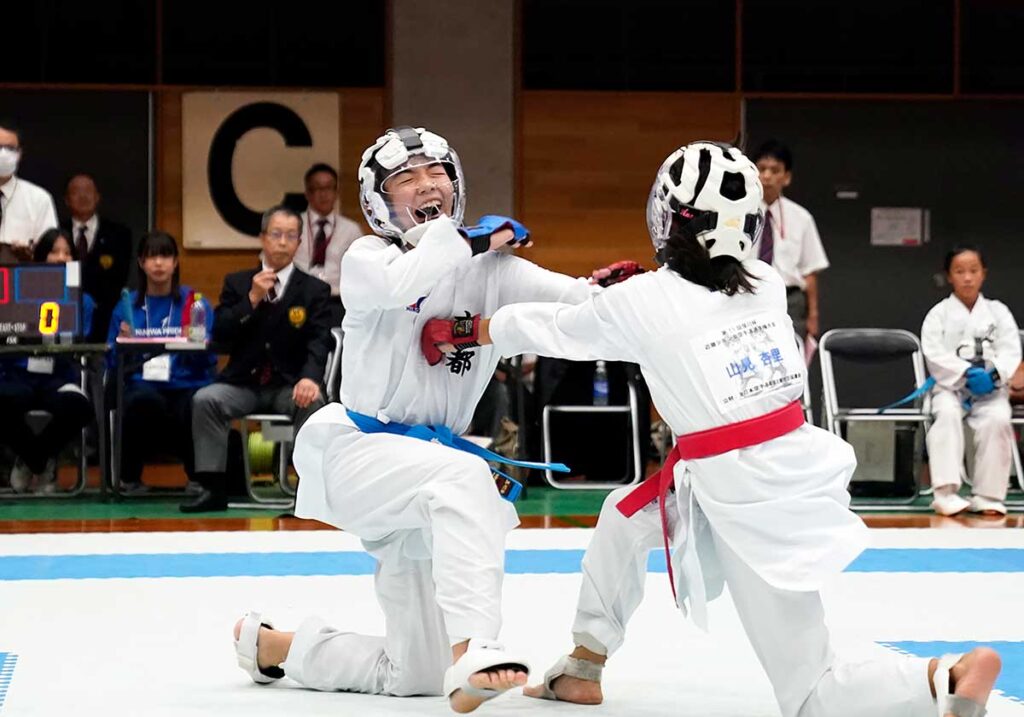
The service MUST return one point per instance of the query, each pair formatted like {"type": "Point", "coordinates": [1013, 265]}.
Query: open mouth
{"type": "Point", "coordinates": [428, 211]}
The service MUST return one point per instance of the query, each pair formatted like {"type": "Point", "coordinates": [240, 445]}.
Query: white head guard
{"type": "Point", "coordinates": [712, 192]}
{"type": "Point", "coordinates": [396, 150]}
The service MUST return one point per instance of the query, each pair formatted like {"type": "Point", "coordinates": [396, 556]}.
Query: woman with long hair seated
{"type": "Point", "coordinates": [51, 384]}
{"type": "Point", "coordinates": [157, 399]}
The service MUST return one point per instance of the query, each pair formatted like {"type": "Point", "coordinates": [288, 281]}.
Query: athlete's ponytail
{"type": "Point", "coordinates": [684, 255]}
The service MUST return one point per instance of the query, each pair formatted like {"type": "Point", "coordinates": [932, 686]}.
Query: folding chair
{"type": "Point", "coordinates": [806, 399]}
{"type": "Point", "coordinates": [631, 409]}
{"type": "Point", "coordinates": [1017, 419]}
{"type": "Point", "coordinates": [878, 349]}
{"type": "Point", "coordinates": [334, 366]}
{"type": "Point", "coordinates": [278, 428]}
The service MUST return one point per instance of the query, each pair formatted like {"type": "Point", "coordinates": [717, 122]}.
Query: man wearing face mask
{"type": "Point", "coordinates": [26, 211]}
{"type": "Point", "coordinates": [383, 464]}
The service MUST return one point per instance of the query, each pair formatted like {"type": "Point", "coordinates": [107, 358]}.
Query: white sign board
{"type": "Point", "coordinates": [243, 152]}
{"type": "Point", "coordinates": [900, 226]}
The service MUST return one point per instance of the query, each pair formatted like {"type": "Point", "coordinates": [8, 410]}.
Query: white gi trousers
{"type": "Point", "coordinates": [434, 521]}
{"type": "Point", "coordinates": [989, 418]}
{"type": "Point", "coordinates": [786, 628]}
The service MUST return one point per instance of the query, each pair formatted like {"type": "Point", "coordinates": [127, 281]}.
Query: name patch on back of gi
{"type": "Point", "coordinates": [749, 359]}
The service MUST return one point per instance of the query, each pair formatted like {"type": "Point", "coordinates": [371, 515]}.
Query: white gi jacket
{"type": "Point", "coordinates": [711, 360]}
{"type": "Point", "coordinates": [948, 339]}
{"type": "Point", "coordinates": [389, 296]}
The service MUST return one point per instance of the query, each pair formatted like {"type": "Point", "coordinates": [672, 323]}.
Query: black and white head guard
{"type": "Point", "coordinates": [712, 192]}
{"type": "Point", "coordinates": [396, 150]}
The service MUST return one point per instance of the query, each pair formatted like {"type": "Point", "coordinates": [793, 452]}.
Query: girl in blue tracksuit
{"type": "Point", "coordinates": [158, 389]}
{"type": "Point", "coordinates": [51, 384]}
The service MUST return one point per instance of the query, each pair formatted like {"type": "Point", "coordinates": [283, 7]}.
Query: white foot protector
{"type": "Point", "coordinates": [247, 646]}
{"type": "Point", "coordinates": [481, 656]}
{"type": "Point", "coordinates": [572, 667]}
{"type": "Point", "coordinates": [981, 504]}
{"type": "Point", "coordinates": [949, 503]}
{"type": "Point", "coordinates": [952, 704]}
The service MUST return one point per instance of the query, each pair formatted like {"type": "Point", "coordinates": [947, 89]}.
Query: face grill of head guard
{"type": "Point", "coordinates": [712, 192]}
{"type": "Point", "coordinates": [392, 152]}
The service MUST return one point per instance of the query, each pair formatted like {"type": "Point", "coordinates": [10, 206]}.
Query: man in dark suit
{"type": "Point", "coordinates": [104, 248]}
{"type": "Point", "coordinates": [275, 322]}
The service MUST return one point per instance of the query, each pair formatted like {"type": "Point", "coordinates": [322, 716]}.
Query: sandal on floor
{"type": "Point", "coordinates": [952, 704]}
{"type": "Point", "coordinates": [480, 656]}
{"type": "Point", "coordinates": [571, 667]}
{"type": "Point", "coordinates": [246, 648]}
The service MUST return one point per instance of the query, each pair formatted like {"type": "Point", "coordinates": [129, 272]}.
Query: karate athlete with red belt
{"type": "Point", "coordinates": [387, 464]}
{"type": "Point", "coordinates": [751, 493]}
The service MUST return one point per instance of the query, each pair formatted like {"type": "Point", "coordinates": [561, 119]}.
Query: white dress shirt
{"type": "Point", "coordinates": [798, 251]}
{"type": "Point", "coordinates": [92, 224]}
{"type": "Point", "coordinates": [281, 285]}
{"type": "Point", "coordinates": [340, 231]}
{"type": "Point", "coordinates": [28, 211]}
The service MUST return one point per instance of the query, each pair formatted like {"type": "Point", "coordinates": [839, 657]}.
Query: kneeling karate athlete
{"type": "Point", "coordinates": [380, 465]}
{"type": "Point", "coordinates": [750, 493]}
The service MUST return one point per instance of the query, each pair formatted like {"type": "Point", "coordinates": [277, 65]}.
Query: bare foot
{"type": "Point", "coordinates": [570, 689]}
{"type": "Point", "coordinates": [271, 646]}
{"type": "Point", "coordinates": [499, 680]}
{"type": "Point", "coordinates": [975, 674]}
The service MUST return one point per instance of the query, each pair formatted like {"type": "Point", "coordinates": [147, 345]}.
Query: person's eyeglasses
{"type": "Point", "coordinates": [278, 235]}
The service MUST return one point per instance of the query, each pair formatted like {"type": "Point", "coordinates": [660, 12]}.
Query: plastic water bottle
{"type": "Point", "coordinates": [197, 320]}
{"type": "Point", "coordinates": [601, 384]}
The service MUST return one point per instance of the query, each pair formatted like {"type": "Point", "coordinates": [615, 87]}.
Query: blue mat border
{"type": "Point", "coordinates": [517, 562]}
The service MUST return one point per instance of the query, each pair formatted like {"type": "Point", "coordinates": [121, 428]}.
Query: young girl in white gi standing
{"type": "Point", "coordinates": [760, 496]}
{"type": "Point", "coordinates": [430, 514]}
{"type": "Point", "coordinates": [972, 348]}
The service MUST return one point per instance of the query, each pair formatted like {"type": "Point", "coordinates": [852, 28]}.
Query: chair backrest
{"type": "Point", "coordinates": [806, 400]}
{"type": "Point", "coordinates": [880, 350]}
{"type": "Point", "coordinates": [333, 377]}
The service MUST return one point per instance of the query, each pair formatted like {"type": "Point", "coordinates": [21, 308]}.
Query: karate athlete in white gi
{"type": "Point", "coordinates": [759, 495]}
{"type": "Point", "coordinates": [972, 348]}
{"type": "Point", "coordinates": [430, 514]}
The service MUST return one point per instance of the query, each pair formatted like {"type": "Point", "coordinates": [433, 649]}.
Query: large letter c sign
{"type": "Point", "coordinates": [222, 151]}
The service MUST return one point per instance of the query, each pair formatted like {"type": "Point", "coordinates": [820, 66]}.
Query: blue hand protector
{"type": "Point", "coordinates": [496, 222]}
{"type": "Point", "coordinates": [979, 381]}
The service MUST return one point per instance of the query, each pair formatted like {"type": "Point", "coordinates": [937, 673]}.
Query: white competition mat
{"type": "Point", "coordinates": [140, 624]}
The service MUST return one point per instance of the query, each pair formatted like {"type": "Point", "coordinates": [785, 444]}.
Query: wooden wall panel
{"type": "Point", "coordinates": [362, 120]}
{"type": "Point", "coordinates": [589, 159]}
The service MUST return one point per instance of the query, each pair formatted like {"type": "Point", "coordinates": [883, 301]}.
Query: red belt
{"type": "Point", "coordinates": [704, 444]}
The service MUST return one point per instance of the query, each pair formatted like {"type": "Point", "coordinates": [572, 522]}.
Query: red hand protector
{"type": "Point", "coordinates": [464, 331]}
{"type": "Point", "coordinates": [614, 273]}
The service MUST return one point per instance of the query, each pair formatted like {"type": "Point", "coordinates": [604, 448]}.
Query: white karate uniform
{"type": "Point", "coordinates": [948, 340]}
{"type": "Point", "coordinates": [430, 514]}
{"type": "Point", "coordinates": [772, 520]}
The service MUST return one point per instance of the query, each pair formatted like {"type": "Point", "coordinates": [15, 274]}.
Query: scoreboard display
{"type": "Point", "coordinates": [40, 303]}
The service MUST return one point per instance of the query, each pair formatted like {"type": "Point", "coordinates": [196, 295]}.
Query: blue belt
{"type": "Point", "coordinates": [509, 489]}
{"type": "Point", "coordinates": [921, 390]}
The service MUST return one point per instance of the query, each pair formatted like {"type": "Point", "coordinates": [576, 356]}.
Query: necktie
{"type": "Point", "coordinates": [266, 372]}
{"type": "Point", "coordinates": [766, 249]}
{"type": "Point", "coordinates": [272, 294]}
{"type": "Point", "coordinates": [320, 244]}
{"type": "Point", "coordinates": [81, 243]}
